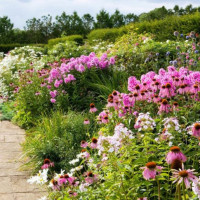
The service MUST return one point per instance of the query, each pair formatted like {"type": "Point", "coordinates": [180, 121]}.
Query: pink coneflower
{"type": "Point", "coordinates": [92, 108]}
{"type": "Point", "coordinates": [29, 82]}
{"type": "Point", "coordinates": [84, 144]}
{"type": "Point", "coordinates": [84, 153]}
{"type": "Point", "coordinates": [196, 130]}
{"type": "Point", "coordinates": [156, 98]}
{"type": "Point", "coordinates": [93, 145]}
{"type": "Point", "coordinates": [182, 89]}
{"type": "Point", "coordinates": [195, 89]}
{"type": "Point", "coordinates": [47, 164]}
{"type": "Point", "coordinates": [54, 185]}
{"type": "Point", "coordinates": [175, 153]}
{"type": "Point", "coordinates": [142, 198]}
{"type": "Point", "coordinates": [105, 119]}
{"type": "Point", "coordinates": [72, 181]}
{"type": "Point", "coordinates": [185, 176]}
{"type": "Point", "coordinates": [86, 121]}
{"type": "Point", "coordinates": [164, 107]}
{"type": "Point", "coordinates": [166, 91]}
{"type": "Point", "coordinates": [91, 178]}
{"type": "Point", "coordinates": [151, 170]}
{"type": "Point", "coordinates": [63, 179]}
{"type": "Point", "coordinates": [175, 106]}
{"type": "Point", "coordinates": [42, 84]}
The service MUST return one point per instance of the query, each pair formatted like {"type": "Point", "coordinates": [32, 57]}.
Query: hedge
{"type": "Point", "coordinates": [8, 47]}
{"type": "Point", "coordinates": [107, 34]}
{"type": "Point", "coordinates": [164, 29]}
{"type": "Point", "coordinates": [76, 38]}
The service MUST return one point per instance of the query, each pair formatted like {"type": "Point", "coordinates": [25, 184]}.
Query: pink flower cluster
{"type": "Point", "coordinates": [80, 64]}
{"type": "Point", "coordinates": [47, 164]}
{"type": "Point", "coordinates": [156, 88]}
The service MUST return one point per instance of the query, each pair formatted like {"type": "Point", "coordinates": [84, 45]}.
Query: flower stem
{"type": "Point", "coordinates": [176, 192]}
{"type": "Point", "coordinates": [179, 192]}
{"type": "Point", "coordinates": [158, 189]}
{"type": "Point", "coordinates": [184, 191]}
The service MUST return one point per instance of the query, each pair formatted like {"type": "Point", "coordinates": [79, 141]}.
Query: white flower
{"type": "Point", "coordinates": [40, 178]}
{"type": "Point", "coordinates": [79, 168]}
{"type": "Point", "coordinates": [73, 162]}
{"type": "Point", "coordinates": [170, 144]}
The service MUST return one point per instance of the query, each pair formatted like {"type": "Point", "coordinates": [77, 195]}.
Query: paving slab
{"type": "Point", "coordinates": [13, 184]}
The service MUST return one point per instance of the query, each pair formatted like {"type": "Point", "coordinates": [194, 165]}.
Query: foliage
{"type": "Point", "coordinates": [163, 29]}
{"type": "Point", "coordinates": [76, 38]}
{"type": "Point", "coordinates": [137, 54]}
{"type": "Point", "coordinates": [57, 137]}
{"type": "Point", "coordinates": [106, 34]}
{"type": "Point", "coordinates": [7, 110]}
{"type": "Point", "coordinates": [5, 48]}
{"type": "Point", "coordinates": [14, 63]}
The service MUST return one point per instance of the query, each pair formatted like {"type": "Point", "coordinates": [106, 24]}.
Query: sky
{"type": "Point", "coordinates": [21, 10]}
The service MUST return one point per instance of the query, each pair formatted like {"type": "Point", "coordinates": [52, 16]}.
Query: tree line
{"type": "Point", "coordinates": [42, 29]}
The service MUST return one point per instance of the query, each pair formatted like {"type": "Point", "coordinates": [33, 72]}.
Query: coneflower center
{"type": "Point", "coordinates": [90, 174]}
{"type": "Point", "coordinates": [183, 173]}
{"type": "Point", "coordinates": [175, 104]}
{"type": "Point", "coordinates": [168, 85]}
{"type": "Point", "coordinates": [176, 164]}
{"type": "Point", "coordinates": [66, 176]}
{"type": "Point", "coordinates": [94, 140]}
{"type": "Point", "coordinates": [46, 161]}
{"type": "Point", "coordinates": [135, 94]}
{"type": "Point", "coordinates": [92, 105]}
{"type": "Point", "coordinates": [137, 87]}
{"type": "Point", "coordinates": [164, 102]}
{"type": "Point", "coordinates": [175, 149]}
{"type": "Point", "coordinates": [197, 126]}
{"type": "Point", "coordinates": [114, 93]}
{"type": "Point", "coordinates": [151, 165]}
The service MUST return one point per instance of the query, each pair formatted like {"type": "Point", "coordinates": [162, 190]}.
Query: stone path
{"type": "Point", "coordinates": [13, 182]}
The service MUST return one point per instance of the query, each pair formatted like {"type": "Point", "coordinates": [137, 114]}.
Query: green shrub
{"type": "Point", "coordinates": [164, 29]}
{"type": "Point", "coordinates": [6, 110]}
{"type": "Point", "coordinates": [68, 49]}
{"type": "Point", "coordinates": [58, 138]}
{"type": "Point", "coordinates": [7, 47]}
{"type": "Point", "coordinates": [76, 38]}
{"type": "Point", "coordinates": [110, 34]}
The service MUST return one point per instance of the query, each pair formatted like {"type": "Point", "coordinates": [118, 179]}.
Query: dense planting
{"type": "Point", "coordinates": [121, 122]}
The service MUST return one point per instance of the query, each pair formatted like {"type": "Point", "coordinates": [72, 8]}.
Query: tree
{"type": "Point", "coordinates": [88, 23]}
{"type": "Point", "coordinates": [33, 28]}
{"type": "Point", "coordinates": [62, 24]}
{"type": "Point", "coordinates": [188, 9]}
{"type": "Point", "coordinates": [6, 30]}
{"type": "Point", "coordinates": [76, 24]}
{"type": "Point", "coordinates": [176, 10]}
{"type": "Point", "coordinates": [103, 20]}
{"type": "Point", "coordinates": [46, 27]}
{"type": "Point", "coordinates": [157, 13]}
{"type": "Point", "coordinates": [129, 18]}
{"type": "Point", "coordinates": [117, 19]}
